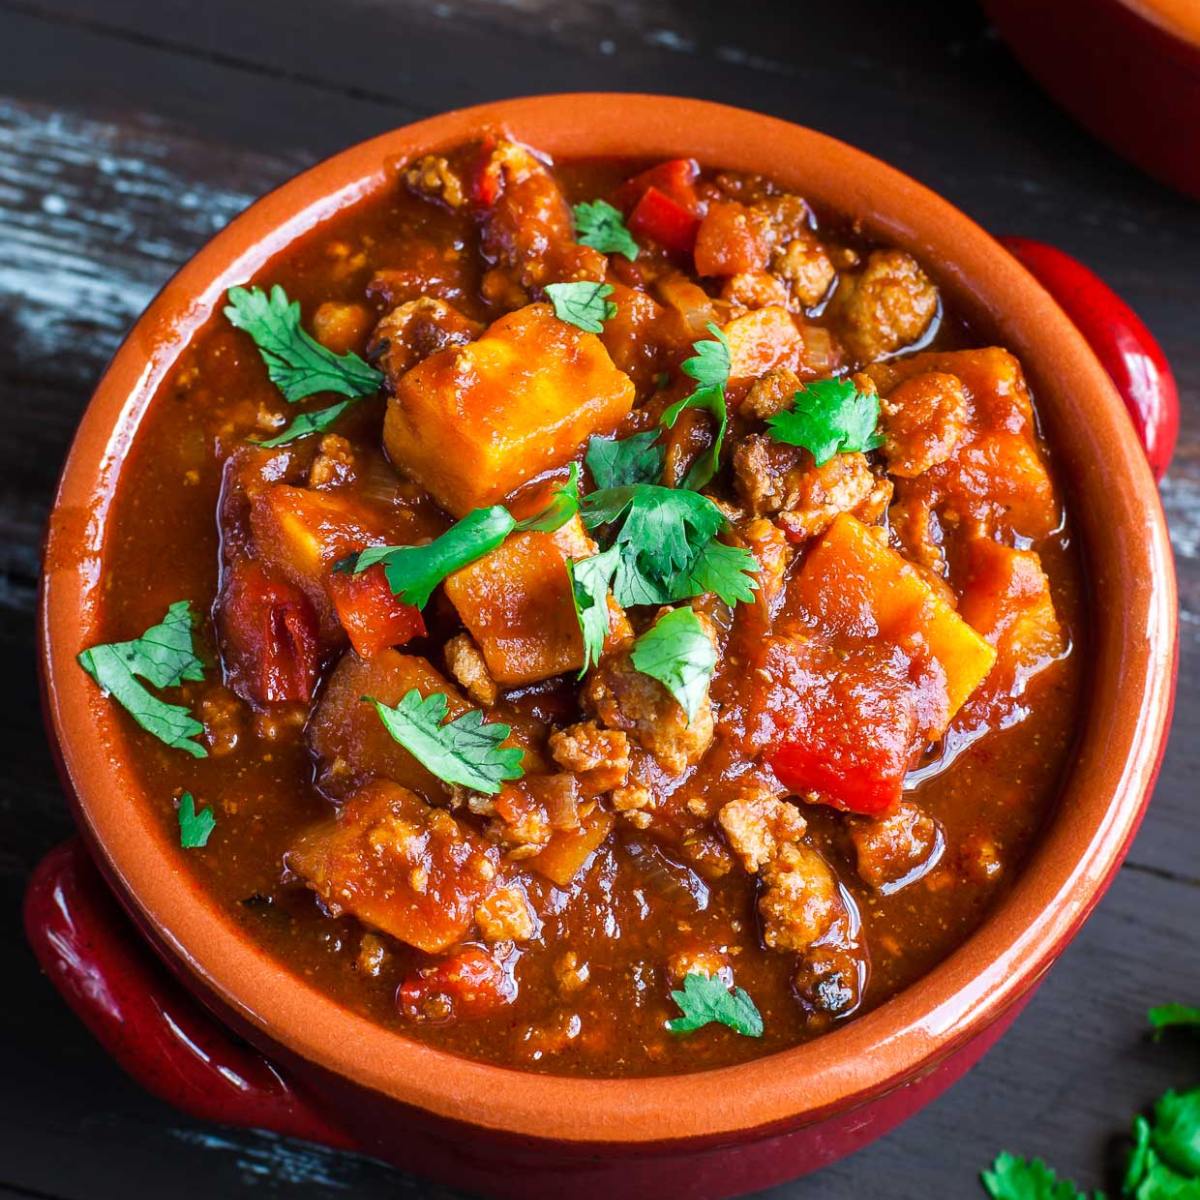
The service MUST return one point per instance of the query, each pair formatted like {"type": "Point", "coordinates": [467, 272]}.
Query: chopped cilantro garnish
{"type": "Point", "coordinates": [584, 304]}
{"type": "Point", "coordinates": [677, 652]}
{"type": "Point", "coordinates": [1013, 1178]}
{"type": "Point", "coordinates": [709, 367]}
{"type": "Point", "coordinates": [705, 999]}
{"type": "Point", "coordinates": [164, 657]}
{"type": "Point", "coordinates": [194, 826]}
{"type": "Point", "coordinates": [667, 545]}
{"type": "Point", "coordinates": [465, 751]}
{"type": "Point", "coordinates": [296, 362]}
{"type": "Point", "coordinates": [602, 227]}
{"type": "Point", "coordinates": [590, 580]}
{"type": "Point", "coordinates": [830, 416]}
{"type": "Point", "coordinates": [414, 571]}
{"type": "Point", "coordinates": [307, 423]}
{"type": "Point", "coordinates": [1173, 1016]}
{"type": "Point", "coordinates": [636, 459]}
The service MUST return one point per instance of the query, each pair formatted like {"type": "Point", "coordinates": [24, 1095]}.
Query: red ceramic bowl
{"type": "Point", "coordinates": [333, 1075]}
{"type": "Point", "coordinates": [1127, 69]}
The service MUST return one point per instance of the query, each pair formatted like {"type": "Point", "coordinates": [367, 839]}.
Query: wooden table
{"type": "Point", "coordinates": [130, 131]}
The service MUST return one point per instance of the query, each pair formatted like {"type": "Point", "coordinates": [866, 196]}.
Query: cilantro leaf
{"type": "Point", "coordinates": [194, 827]}
{"type": "Point", "coordinates": [413, 572]}
{"type": "Point", "coordinates": [583, 304]}
{"type": "Point", "coordinates": [677, 652]}
{"type": "Point", "coordinates": [666, 542]}
{"type": "Point", "coordinates": [307, 423]}
{"type": "Point", "coordinates": [830, 416]}
{"type": "Point", "coordinates": [705, 999]}
{"type": "Point", "coordinates": [296, 362]}
{"type": "Point", "coordinates": [464, 751]}
{"type": "Point", "coordinates": [1174, 1016]}
{"type": "Point", "coordinates": [564, 504]}
{"type": "Point", "coordinates": [602, 227]}
{"type": "Point", "coordinates": [591, 579]}
{"type": "Point", "coordinates": [1176, 1133]}
{"type": "Point", "coordinates": [618, 463]}
{"type": "Point", "coordinates": [1014, 1178]}
{"type": "Point", "coordinates": [164, 657]}
{"type": "Point", "coordinates": [709, 367]}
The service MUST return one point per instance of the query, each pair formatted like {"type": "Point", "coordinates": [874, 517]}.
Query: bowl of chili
{"type": "Point", "coordinates": [709, 198]}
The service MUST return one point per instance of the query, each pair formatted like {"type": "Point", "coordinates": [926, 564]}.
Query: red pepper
{"type": "Point", "coordinates": [485, 175]}
{"type": "Point", "coordinates": [864, 782]}
{"type": "Point", "coordinates": [665, 221]}
{"type": "Point", "coordinates": [270, 638]}
{"type": "Point", "coordinates": [469, 984]}
{"type": "Point", "coordinates": [372, 617]}
{"type": "Point", "coordinates": [675, 178]}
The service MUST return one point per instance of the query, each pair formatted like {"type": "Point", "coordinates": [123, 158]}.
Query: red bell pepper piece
{"type": "Point", "coordinates": [664, 220]}
{"type": "Point", "coordinates": [855, 777]}
{"type": "Point", "coordinates": [675, 178]}
{"type": "Point", "coordinates": [271, 651]}
{"type": "Point", "coordinates": [485, 175]}
{"type": "Point", "coordinates": [469, 984]}
{"type": "Point", "coordinates": [372, 617]}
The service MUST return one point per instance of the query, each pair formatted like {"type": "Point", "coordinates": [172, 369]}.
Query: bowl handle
{"type": "Point", "coordinates": [1125, 347]}
{"type": "Point", "coordinates": [143, 1016]}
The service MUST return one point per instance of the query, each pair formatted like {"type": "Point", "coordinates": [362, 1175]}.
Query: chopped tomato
{"type": "Point", "coordinates": [469, 984]}
{"type": "Point", "coordinates": [665, 221]}
{"type": "Point", "coordinates": [372, 617]}
{"type": "Point", "coordinates": [269, 637]}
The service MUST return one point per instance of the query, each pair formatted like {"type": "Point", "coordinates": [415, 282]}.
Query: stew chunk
{"type": "Point", "coordinates": [473, 422]}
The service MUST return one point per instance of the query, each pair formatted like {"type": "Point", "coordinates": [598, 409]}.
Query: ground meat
{"type": "Point", "coordinates": [771, 394]}
{"type": "Point", "coordinates": [505, 916]}
{"type": "Point", "coordinates": [754, 289]}
{"type": "Point", "coordinates": [799, 900]}
{"type": "Point", "coordinates": [894, 846]}
{"type": "Point", "coordinates": [758, 824]}
{"type": "Point", "coordinates": [773, 553]}
{"type": "Point", "coordinates": [761, 470]}
{"type": "Point", "coordinates": [845, 483]}
{"type": "Point", "coordinates": [623, 698]}
{"type": "Point", "coordinates": [924, 419]}
{"type": "Point", "coordinates": [334, 464]}
{"type": "Point", "coordinates": [885, 307]}
{"type": "Point", "coordinates": [915, 527]}
{"type": "Point", "coordinates": [432, 178]}
{"type": "Point", "coordinates": [699, 961]}
{"type": "Point", "coordinates": [413, 331]}
{"type": "Point", "coordinates": [341, 328]}
{"type": "Point", "coordinates": [599, 757]}
{"type": "Point", "coordinates": [804, 269]}
{"type": "Point", "coordinates": [465, 662]}
{"type": "Point", "coordinates": [570, 974]}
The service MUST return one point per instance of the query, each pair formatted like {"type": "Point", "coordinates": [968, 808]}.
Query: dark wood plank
{"type": "Point", "coordinates": [192, 110]}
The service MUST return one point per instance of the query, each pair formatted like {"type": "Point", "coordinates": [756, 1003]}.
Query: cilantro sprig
{"type": "Point", "coordinates": [584, 304]}
{"type": "Point", "coordinates": [828, 417]}
{"type": "Point", "coordinates": [1015, 1178]}
{"type": "Point", "coordinates": [465, 751]}
{"type": "Point", "coordinates": [618, 463]}
{"type": "Point", "coordinates": [602, 227]}
{"type": "Point", "coordinates": [706, 1000]}
{"type": "Point", "coordinates": [709, 367]}
{"type": "Point", "coordinates": [297, 363]}
{"type": "Point", "coordinates": [195, 826]}
{"type": "Point", "coordinates": [413, 572]}
{"type": "Point", "coordinates": [164, 657]}
{"type": "Point", "coordinates": [1173, 1016]}
{"type": "Point", "coordinates": [677, 652]}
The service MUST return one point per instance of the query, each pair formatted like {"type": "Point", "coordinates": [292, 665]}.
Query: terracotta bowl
{"type": "Point", "coordinates": [335, 1076]}
{"type": "Point", "coordinates": [1127, 69]}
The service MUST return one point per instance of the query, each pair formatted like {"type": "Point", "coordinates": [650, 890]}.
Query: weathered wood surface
{"type": "Point", "coordinates": [130, 131]}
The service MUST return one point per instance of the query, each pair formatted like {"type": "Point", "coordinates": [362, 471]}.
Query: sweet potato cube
{"type": "Point", "coordinates": [349, 739]}
{"type": "Point", "coordinates": [762, 340]}
{"type": "Point", "coordinates": [569, 850]}
{"type": "Point", "coordinates": [516, 602]}
{"type": "Point", "coordinates": [399, 865]}
{"type": "Point", "coordinates": [854, 584]}
{"type": "Point", "coordinates": [472, 423]}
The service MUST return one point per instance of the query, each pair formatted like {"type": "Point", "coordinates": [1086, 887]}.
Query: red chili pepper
{"type": "Point", "coordinates": [372, 617]}
{"type": "Point", "coordinates": [664, 220]}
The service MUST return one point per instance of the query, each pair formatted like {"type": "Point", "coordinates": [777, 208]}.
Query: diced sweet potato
{"type": "Point", "coordinates": [570, 849]}
{"type": "Point", "coordinates": [346, 734]}
{"type": "Point", "coordinates": [1007, 599]}
{"type": "Point", "coordinates": [472, 423]}
{"type": "Point", "coordinates": [516, 602]}
{"type": "Point", "coordinates": [399, 865]}
{"type": "Point", "coordinates": [761, 340]}
{"type": "Point", "coordinates": [731, 239]}
{"type": "Point", "coordinates": [852, 583]}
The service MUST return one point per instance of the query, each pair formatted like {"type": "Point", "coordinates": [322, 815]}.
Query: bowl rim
{"type": "Point", "coordinates": [1133, 653]}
